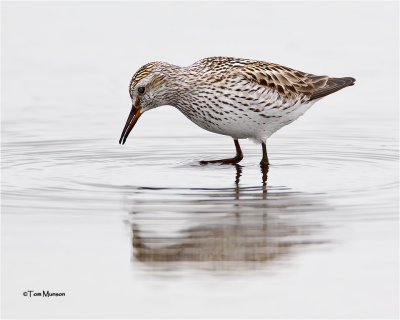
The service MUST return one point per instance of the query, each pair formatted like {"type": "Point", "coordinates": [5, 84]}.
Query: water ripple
{"type": "Point", "coordinates": [219, 217]}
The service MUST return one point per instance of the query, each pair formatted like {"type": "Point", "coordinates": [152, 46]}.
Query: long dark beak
{"type": "Point", "coordinates": [133, 117]}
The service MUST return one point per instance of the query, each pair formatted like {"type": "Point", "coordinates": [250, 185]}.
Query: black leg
{"type": "Point", "coordinates": [236, 159]}
{"type": "Point", "coordinates": [264, 160]}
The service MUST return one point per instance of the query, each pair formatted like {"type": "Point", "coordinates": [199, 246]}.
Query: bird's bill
{"type": "Point", "coordinates": [133, 117]}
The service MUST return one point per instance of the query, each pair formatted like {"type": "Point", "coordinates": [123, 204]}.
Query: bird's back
{"type": "Point", "coordinates": [288, 82]}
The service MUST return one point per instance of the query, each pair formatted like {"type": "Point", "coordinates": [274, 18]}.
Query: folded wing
{"type": "Point", "coordinates": [290, 83]}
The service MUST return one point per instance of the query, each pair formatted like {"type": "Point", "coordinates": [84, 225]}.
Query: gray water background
{"type": "Point", "coordinates": [142, 230]}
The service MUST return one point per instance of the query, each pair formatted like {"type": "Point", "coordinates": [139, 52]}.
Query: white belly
{"type": "Point", "coordinates": [247, 124]}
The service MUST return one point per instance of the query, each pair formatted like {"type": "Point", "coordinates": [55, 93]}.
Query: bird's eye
{"type": "Point", "coordinates": [140, 90]}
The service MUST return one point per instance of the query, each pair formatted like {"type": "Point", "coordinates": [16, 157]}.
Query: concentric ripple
{"type": "Point", "coordinates": [214, 216]}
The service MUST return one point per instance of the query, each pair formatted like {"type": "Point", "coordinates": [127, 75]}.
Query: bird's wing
{"type": "Point", "coordinates": [289, 83]}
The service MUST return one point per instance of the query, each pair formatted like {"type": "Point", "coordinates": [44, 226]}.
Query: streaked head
{"type": "Point", "coordinates": [147, 90]}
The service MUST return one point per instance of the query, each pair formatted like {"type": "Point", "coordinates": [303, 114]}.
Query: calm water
{"type": "Point", "coordinates": [143, 230]}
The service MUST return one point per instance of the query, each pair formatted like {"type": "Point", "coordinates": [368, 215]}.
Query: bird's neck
{"type": "Point", "coordinates": [180, 83]}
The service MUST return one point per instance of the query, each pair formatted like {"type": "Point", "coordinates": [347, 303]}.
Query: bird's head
{"type": "Point", "coordinates": [148, 89]}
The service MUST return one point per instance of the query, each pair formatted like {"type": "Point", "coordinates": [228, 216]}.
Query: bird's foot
{"type": "Point", "coordinates": [234, 160]}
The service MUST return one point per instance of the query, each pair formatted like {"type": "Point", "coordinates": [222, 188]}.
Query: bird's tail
{"type": "Point", "coordinates": [331, 86]}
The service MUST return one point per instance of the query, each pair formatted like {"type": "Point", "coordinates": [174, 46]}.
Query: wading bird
{"type": "Point", "coordinates": [240, 98]}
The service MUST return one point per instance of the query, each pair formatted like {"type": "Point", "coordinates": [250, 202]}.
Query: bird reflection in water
{"type": "Point", "coordinates": [219, 229]}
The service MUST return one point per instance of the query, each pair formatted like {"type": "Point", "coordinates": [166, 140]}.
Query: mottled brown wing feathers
{"type": "Point", "coordinates": [332, 85]}
{"type": "Point", "coordinates": [291, 83]}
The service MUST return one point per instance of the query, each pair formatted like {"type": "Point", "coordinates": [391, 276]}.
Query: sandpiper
{"type": "Point", "coordinates": [240, 98]}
